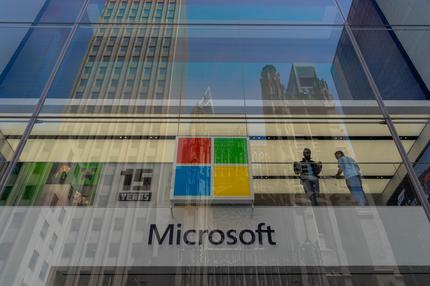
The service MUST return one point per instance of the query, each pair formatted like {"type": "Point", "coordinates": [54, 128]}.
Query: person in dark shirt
{"type": "Point", "coordinates": [309, 171]}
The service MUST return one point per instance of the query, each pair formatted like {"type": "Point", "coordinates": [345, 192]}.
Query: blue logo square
{"type": "Point", "coordinates": [192, 181]}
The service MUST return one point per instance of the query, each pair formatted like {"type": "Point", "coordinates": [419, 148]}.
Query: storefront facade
{"type": "Point", "coordinates": [214, 142]}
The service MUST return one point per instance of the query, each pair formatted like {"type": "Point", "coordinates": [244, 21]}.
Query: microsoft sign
{"type": "Point", "coordinates": [212, 170]}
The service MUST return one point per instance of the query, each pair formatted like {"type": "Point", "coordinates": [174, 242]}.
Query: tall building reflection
{"type": "Point", "coordinates": [127, 62]}
{"type": "Point", "coordinates": [271, 86]}
{"type": "Point", "coordinates": [303, 84]}
{"type": "Point", "coordinates": [389, 63]}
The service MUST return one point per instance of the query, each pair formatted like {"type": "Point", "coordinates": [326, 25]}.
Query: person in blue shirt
{"type": "Point", "coordinates": [352, 174]}
{"type": "Point", "coordinates": [309, 171]}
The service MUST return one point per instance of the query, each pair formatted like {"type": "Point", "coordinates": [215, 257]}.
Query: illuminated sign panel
{"type": "Point", "coordinates": [212, 170]}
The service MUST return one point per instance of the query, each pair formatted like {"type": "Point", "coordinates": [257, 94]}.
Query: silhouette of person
{"type": "Point", "coordinates": [309, 171]}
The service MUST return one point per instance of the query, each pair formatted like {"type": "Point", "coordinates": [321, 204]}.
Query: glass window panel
{"type": "Point", "coordinates": [91, 161]}
{"type": "Point", "coordinates": [230, 82]}
{"type": "Point", "coordinates": [418, 153]}
{"type": "Point", "coordinates": [405, 92]}
{"type": "Point", "coordinates": [126, 86]}
{"type": "Point", "coordinates": [221, 11]}
{"type": "Point", "coordinates": [397, 66]}
{"type": "Point", "coordinates": [38, 11]}
{"type": "Point", "coordinates": [11, 130]}
{"type": "Point", "coordinates": [382, 12]}
{"type": "Point", "coordinates": [26, 62]}
{"type": "Point", "coordinates": [142, 119]}
{"type": "Point", "coordinates": [235, 71]}
{"type": "Point", "coordinates": [96, 163]}
{"type": "Point", "coordinates": [278, 148]}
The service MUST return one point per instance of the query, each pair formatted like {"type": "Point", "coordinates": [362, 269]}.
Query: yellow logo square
{"type": "Point", "coordinates": [231, 181]}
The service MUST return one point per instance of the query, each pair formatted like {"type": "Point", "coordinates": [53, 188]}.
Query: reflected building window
{"type": "Point", "coordinates": [61, 215]}
{"type": "Point", "coordinates": [53, 241]}
{"type": "Point", "coordinates": [114, 249]}
{"type": "Point", "coordinates": [91, 250]}
{"type": "Point", "coordinates": [68, 250]}
{"type": "Point", "coordinates": [33, 260]}
{"type": "Point", "coordinates": [75, 225]}
{"type": "Point", "coordinates": [5, 249]}
{"type": "Point", "coordinates": [119, 224]}
{"type": "Point", "coordinates": [17, 220]}
{"type": "Point", "coordinates": [43, 271]}
{"type": "Point", "coordinates": [97, 224]}
{"type": "Point", "coordinates": [44, 229]}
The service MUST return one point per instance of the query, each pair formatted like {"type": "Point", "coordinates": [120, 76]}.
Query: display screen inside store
{"type": "Point", "coordinates": [52, 184]}
{"type": "Point", "coordinates": [85, 184]}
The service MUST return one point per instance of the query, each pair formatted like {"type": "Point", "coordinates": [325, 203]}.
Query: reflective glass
{"type": "Point", "coordinates": [11, 130]}
{"type": "Point", "coordinates": [26, 62]}
{"type": "Point", "coordinates": [118, 153]}
{"type": "Point", "coordinates": [215, 12]}
{"type": "Point", "coordinates": [217, 84]}
{"type": "Point", "coordinates": [212, 143]}
{"type": "Point", "coordinates": [100, 162]}
{"type": "Point", "coordinates": [386, 13]}
{"type": "Point", "coordinates": [40, 11]}
{"type": "Point", "coordinates": [194, 71]}
{"type": "Point", "coordinates": [121, 70]}
{"type": "Point", "coordinates": [366, 151]}
{"type": "Point", "coordinates": [422, 168]}
{"type": "Point", "coordinates": [401, 73]}
{"type": "Point", "coordinates": [413, 126]}
{"type": "Point", "coordinates": [397, 66]}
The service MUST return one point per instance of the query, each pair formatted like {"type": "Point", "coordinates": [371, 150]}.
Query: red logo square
{"type": "Point", "coordinates": [194, 151]}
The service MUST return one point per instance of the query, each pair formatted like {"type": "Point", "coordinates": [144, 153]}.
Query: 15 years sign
{"type": "Point", "coordinates": [136, 184]}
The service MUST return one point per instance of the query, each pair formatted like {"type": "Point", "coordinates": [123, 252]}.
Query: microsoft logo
{"type": "Point", "coordinates": [212, 170]}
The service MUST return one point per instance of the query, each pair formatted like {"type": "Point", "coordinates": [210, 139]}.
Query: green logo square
{"type": "Point", "coordinates": [230, 151]}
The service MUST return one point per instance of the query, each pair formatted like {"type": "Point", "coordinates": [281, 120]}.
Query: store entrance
{"type": "Point", "coordinates": [232, 276]}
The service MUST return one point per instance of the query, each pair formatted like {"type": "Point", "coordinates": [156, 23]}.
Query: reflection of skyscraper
{"type": "Point", "coordinates": [31, 243]}
{"type": "Point", "coordinates": [130, 62]}
{"type": "Point", "coordinates": [391, 67]}
{"type": "Point", "coordinates": [416, 12]}
{"type": "Point", "coordinates": [271, 86]}
{"type": "Point", "coordinates": [304, 84]}
{"type": "Point", "coordinates": [272, 90]}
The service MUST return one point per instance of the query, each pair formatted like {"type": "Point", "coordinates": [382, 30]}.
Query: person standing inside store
{"type": "Point", "coordinates": [351, 172]}
{"type": "Point", "coordinates": [308, 170]}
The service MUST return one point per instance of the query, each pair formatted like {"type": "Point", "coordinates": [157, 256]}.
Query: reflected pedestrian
{"type": "Point", "coordinates": [352, 174]}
